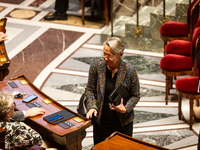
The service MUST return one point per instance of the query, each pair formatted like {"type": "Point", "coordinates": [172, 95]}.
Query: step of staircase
{"type": "Point", "coordinates": [173, 7]}
{"type": "Point", "coordinates": [150, 21]}
{"type": "Point", "coordinates": [144, 22]}
{"type": "Point", "coordinates": [144, 18]}
{"type": "Point", "coordinates": [118, 28]}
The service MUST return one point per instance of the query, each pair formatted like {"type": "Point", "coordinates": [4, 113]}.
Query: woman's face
{"type": "Point", "coordinates": [110, 58]}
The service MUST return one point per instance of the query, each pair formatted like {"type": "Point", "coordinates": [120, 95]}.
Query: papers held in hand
{"type": "Point", "coordinates": [119, 92]}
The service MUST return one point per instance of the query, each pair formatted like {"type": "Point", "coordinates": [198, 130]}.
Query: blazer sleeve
{"type": "Point", "coordinates": [134, 88]}
{"type": "Point", "coordinates": [91, 87]}
{"type": "Point", "coordinates": [18, 116]}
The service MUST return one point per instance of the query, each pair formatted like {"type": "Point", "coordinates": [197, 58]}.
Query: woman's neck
{"type": "Point", "coordinates": [113, 68]}
{"type": "Point", "coordinates": [6, 118]}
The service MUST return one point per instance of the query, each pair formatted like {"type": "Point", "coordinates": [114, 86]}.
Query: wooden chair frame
{"type": "Point", "coordinates": [170, 74]}
{"type": "Point", "coordinates": [191, 98]}
{"type": "Point", "coordinates": [193, 20]}
{"type": "Point", "coordinates": [92, 11]}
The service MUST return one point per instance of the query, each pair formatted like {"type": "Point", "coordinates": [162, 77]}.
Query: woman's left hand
{"type": "Point", "coordinates": [119, 108]}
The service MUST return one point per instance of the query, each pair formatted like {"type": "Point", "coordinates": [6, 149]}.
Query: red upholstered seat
{"type": "Point", "coordinates": [173, 62]}
{"type": "Point", "coordinates": [178, 29]}
{"type": "Point", "coordinates": [187, 88]}
{"type": "Point", "coordinates": [174, 29]}
{"type": "Point", "coordinates": [174, 65]}
{"type": "Point", "coordinates": [182, 47]}
{"type": "Point", "coordinates": [187, 84]}
{"type": "Point", "coordinates": [179, 47]}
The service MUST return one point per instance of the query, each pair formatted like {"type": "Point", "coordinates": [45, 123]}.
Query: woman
{"type": "Point", "coordinates": [104, 76]}
{"type": "Point", "coordinates": [17, 134]}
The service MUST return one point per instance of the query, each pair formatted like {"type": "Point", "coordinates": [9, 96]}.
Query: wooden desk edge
{"type": "Point", "coordinates": [132, 139]}
{"type": "Point", "coordinates": [87, 121]}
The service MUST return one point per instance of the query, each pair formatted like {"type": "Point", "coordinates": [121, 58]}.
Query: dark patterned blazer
{"type": "Point", "coordinates": [95, 89]}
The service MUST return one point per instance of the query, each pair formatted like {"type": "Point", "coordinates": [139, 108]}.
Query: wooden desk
{"type": "Point", "coordinates": [4, 60]}
{"type": "Point", "coordinates": [70, 138]}
{"type": "Point", "coordinates": [119, 141]}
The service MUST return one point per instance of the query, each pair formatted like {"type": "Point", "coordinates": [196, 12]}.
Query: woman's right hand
{"type": "Point", "coordinates": [3, 36]}
{"type": "Point", "coordinates": [91, 112]}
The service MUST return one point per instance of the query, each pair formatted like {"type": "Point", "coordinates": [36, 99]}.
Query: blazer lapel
{"type": "Point", "coordinates": [102, 77]}
{"type": "Point", "coordinates": [121, 73]}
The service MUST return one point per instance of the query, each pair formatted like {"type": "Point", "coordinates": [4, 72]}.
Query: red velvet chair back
{"type": "Point", "coordinates": [198, 58]}
{"type": "Point", "coordinates": [193, 52]}
{"type": "Point", "coordinates": [193, 15]}
{"type": "Point", "coordinates": [198, 23]}
{"type": "Point", "coordinates": [189, 10]}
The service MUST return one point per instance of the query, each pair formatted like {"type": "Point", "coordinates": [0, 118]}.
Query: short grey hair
{"type": "Point", "coordinates": [6, 103]}
{"type": "Point", "coordinates": [116, 44]}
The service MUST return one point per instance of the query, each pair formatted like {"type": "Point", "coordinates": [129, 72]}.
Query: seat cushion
{"type": "Point", "coordinates": [173, 62]}
{"type": "Point", "coordinates": [187, 84]}
{"type": "Point", "coordinates": [180, 47]}
{"type": "Point", "coordinates": [174, 29]}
